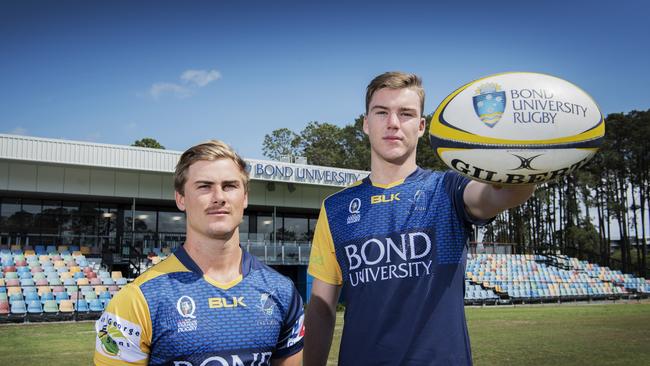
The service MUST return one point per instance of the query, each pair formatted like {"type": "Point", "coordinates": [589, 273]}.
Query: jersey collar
{"type": "Point", "coordinates": [188, 262]}
{"type": "Point", "coordinates": [411, 177]}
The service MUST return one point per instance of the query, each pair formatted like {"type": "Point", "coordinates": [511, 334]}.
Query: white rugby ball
{"type": "Point", "coordinates": [517, 128]}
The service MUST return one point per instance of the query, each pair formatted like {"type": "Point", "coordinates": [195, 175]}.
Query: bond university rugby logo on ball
{"type": "Point", "coordinates": [489, 103]}
{"type": "Point", "coordinates": [517, 128]}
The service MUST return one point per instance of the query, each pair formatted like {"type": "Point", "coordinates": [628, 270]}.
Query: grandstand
{"type": "Point", "coordinates": [46, 283]}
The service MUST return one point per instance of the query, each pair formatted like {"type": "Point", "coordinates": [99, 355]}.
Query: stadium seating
{"type": "Point", "coordinates": [4, 308]}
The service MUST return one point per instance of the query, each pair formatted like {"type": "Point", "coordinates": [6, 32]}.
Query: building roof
{"type": "Point", "coordinates": [90, 154]}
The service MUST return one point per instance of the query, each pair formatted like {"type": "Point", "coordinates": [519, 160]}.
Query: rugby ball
{"type": "Point", "coordinates": [517, 128]}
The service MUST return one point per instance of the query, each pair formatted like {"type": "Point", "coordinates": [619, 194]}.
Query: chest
{"type": "Point", "coordinates": [193, 314]}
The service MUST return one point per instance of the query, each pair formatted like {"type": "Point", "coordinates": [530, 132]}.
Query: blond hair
{"type": "Point", "coordinates": [395, 80]}
{"type": "Point", "coordinates": [210, 151]}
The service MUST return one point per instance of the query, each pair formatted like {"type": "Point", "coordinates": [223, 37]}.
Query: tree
{"type": "Point", "coordinates": [322, 144]}
{"type": "Point", "coordinates": [281, 142]}
{"type": "Point", "coordinates": [148, 142]}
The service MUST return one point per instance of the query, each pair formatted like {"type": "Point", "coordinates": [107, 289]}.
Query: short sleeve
{"type": "Point", "coordinates": [455, 185]}
{"type": "Point", "coordinates": [123, 332]}
{"type": "Point", "coordinates": [291, 336]}
{"type": "Point", "coordinates": [322, 260]}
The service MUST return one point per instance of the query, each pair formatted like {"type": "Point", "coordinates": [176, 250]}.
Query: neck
{"type": "Point", "coordinates": [386, 172]}
{"type": "Point", "coordinates": [219, 259]}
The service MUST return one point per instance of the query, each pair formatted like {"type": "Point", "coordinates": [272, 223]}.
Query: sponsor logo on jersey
{"type": "Point", "coordinates": [383, 198]}
{"type": "Point", "coordinates": [186, 308]}
{"type": "Point", "coordinates": [419, 200]}
{"type": "Point", "coordinates": [298, 332]}
{"type": "Point", "coordinates": [118, 338]}
{"type": "Point", "coordinates": [222, 302]}
{"type": "Point", "coordinates": [402, 255]}
{"type": "Point", "coordinates": [254, 359]}
{"type": "Point", "coordinates": [267, 304]}
{"type": "Point", "coordinates": [355, 211]}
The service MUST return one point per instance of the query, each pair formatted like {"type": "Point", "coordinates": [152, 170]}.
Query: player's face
{"type": "Point", "coordinates": [393, 124]}
{"type": "Point", "coordinates": [214, 199]}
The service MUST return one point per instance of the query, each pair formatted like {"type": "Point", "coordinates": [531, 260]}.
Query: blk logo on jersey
{"type": "Point", "coordinates": [222, 302]}
{"type": "Point", "coordinates": [384, 198]}
{"type": "Point", "coordinates": [385, 258]}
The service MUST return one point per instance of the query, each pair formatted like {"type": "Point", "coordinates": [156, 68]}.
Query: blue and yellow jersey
{"type": "Point", "coordinates": [175, 315]}
{"type": "Point", "coordinates": [399, 251]}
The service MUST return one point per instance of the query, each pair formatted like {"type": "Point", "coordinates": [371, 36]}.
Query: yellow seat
{"type": "Point", "coordinates": [29, 252]}
{"type": "Point", "coordinates": [84, 250]}
{"type": "Point", "coordinates": [13, 291]}
{"type": "Point", "coordinates": [43, 289]}
{"type": "Point", "coordinates": [116, 274]}
{"type": "Point", "coordinates": [82, 281]}
{"type": "Point", "coordinates": [100, 288]}
{"type": "Point", "coordinates": [65, 275]}
{"type": "Point", "coordinates": [66, 306]}
{"type": "Point", "coordinates": [75, 269]}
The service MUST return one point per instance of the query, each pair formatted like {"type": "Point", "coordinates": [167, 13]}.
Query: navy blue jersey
{"type": "Point", "coordinates": [399, 251]}
{"type": "Point", "coordinates": [175, 315]}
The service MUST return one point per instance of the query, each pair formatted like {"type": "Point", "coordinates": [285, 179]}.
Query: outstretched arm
{"type": "Point", "coordinates": [484, 201]}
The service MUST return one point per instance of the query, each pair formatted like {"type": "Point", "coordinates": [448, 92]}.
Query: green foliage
{"type": "Point", "coordinates": [148, 142]}
{"type": "Point", "coordinates": [281, 142]}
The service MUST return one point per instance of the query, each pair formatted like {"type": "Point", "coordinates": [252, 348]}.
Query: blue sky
{"type": "Point", "coordinates": [186, 71]}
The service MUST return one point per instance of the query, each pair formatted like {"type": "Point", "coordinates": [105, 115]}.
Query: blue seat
{"type": "Point", "coordinates": [61, 296]}
{"type": "Point", "coordinates": [32, 296]}
{"type": "Point", "coordinates": [51, 249]}
{"type": "Point", "coordinates": [96, 305]}
{"type": "Point", "coordinates": [34, 307]}
{"type": "Point", "coordinates": [40, 250]}
{"type": "Point", "coordinates": [82, 306]}
{"type": "Point", "coordinates": [105, 297]}
{"type": "Point", "coordinates": [18, 307]}
{"type": "Point", "coordinates": [47, 296]}
{"type": "Point", "coordinates": [27, 282]}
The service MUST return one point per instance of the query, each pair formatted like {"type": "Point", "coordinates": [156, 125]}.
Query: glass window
{"type": "Point", "coordinates": [8, 210]}
{"type": "Point", "coordinates": [145, 221]}
{"type": "Point", "coordinates": [32, 206]}
{"type": "Point", "coordinates": [171, 222]}
{"type": "Point", "coordinates": [295, 229]}
{"type": "Point", "coordinates": [265, 227]}
{"type": "Point", "coordinates": [107, 224]}
{"type": "Point", "coordinates": [245, 225]}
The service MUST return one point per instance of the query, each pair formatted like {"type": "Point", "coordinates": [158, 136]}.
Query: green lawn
{"type": "Point", "coordinates": [612, 334]}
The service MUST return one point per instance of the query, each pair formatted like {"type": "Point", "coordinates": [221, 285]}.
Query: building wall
{"type": "Point", "coordinates": [20, 176]}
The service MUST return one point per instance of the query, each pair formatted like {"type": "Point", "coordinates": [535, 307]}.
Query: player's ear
{"type": "Point", "coordinates": [365, 124]}
{"type": "Point", "coordinates": [180, 200]}
{"type": "Point", "coordinates": [422, 127]}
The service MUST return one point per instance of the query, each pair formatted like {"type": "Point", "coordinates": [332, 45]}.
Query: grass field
{"type": "Point", "coordinates": [611, 334]}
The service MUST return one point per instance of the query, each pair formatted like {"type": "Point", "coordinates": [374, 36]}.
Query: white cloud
{"type": "Point", "coordinates": [18, 131]}
{"type": "Point", "coordinates": [200, 78]}
{"type": "Point", "coordinates": [190, 80]}
{"type": "Point", "coordinates": [159, 89]}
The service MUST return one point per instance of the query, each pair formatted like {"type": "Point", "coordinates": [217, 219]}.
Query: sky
{"type": "Point", "coordinates": [183, 72]}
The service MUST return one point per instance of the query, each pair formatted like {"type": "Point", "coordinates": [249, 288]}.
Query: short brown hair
{"type": "Point", "coordinates": [209, 150]}
{"type": "Point", "coordinates": [395, 80]}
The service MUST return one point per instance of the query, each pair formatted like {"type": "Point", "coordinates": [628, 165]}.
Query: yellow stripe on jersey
{"type": "Point", "coordinates": [124, 331]}
{"type": "Point", "coordinates": [389, 185]}
{"type": "Point", "coordinates": [127, 310]}
{"type": "Point", "coordinates": [223, 286]}
{"type": "Point", "coordinates": [322, 261]}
